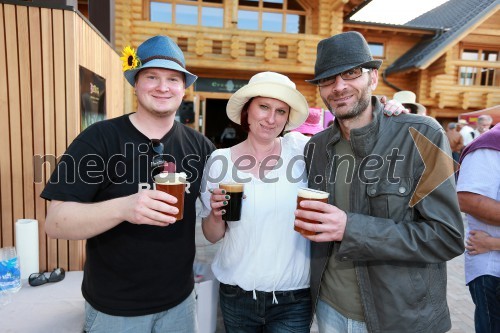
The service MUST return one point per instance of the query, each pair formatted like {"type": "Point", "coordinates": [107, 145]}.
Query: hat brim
{"type": "Point", "coordinates": [339, 69]}
{"type": "Point", "coordinates": [420, 108]}
{"type": "Point", "coordinates": [309, 129]}
{"type": "Point", "coordinates": [299, 109]}
{"type": "Point", "coordinates": [160, 63]}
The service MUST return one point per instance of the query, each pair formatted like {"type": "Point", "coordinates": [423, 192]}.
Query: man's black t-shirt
{"type": "Point", "coordinates": [132, 270]}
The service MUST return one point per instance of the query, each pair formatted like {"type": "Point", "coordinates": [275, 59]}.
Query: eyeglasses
{"type": "Point", "coordinates": [347, 75]}
{"type": "Point", "coordinates": [37, 279]}
{"type": "Point", "coordinates": [158, 160]}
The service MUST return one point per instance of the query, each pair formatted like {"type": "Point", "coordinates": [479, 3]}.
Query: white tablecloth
{"type": "Point", "coordinates": [52, 307]}
{"type": "Point", "coordinates": [60, 308]}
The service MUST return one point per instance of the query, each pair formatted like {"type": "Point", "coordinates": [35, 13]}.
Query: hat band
{"type": "Point", "coordinates": [164, 58]}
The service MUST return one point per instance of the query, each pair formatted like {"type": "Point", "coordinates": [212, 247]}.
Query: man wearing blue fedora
{"type": "Point", "coordinates": [379, 252]}
{"type": "Point", "coordinates": [138, 274]}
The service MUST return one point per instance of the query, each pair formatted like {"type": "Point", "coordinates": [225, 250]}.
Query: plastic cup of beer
{"type": "Point", "coordinates": [309, 194]}
{"type": "Point", "coordinates": [233, 207]}
{"type": "Point", "coordinates": [173, 184]}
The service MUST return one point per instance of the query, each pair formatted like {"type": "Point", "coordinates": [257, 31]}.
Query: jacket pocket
{"type": "Point", "coordinates": [390, 200]}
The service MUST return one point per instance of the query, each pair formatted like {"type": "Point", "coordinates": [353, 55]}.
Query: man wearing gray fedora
{"type": "Point", "coordinates": [138, 273]}
{"type": "Point", "coordinates": [380, 248]}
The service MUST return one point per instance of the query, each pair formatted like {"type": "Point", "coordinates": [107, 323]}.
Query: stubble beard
{"type": "Point", "coordinates": [358, 108]}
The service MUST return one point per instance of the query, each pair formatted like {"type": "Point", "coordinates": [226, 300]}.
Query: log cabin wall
{"type": "Point", "coordinates": [324, 18]}
{"type": "Point", "coordinates": [41, 51]}
{"type": "Point", "coordinates": [233, 59]}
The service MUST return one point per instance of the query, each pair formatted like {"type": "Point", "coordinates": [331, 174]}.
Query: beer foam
{"type": "Point", "coordinates": [171, 178]}
{"type": "Point", "coordinates": [231, 187]}
{"type": "Point", "coordinates": [308, 193]}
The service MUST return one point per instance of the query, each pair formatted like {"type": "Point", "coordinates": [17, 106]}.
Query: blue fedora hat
{"type": "Point", "coordinates": [160, 52]}
{"type": "Point", "coordinates": [340, 53]}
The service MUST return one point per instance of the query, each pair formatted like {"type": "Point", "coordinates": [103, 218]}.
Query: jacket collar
{"type": "Point", "coordinates": [362, 139]}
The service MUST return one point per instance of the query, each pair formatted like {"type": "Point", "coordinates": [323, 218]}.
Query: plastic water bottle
{"type": "Point", "coordinates": [10, 274]}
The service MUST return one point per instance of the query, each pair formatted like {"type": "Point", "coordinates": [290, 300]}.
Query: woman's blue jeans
{"type": "Point", "coordinates": [485, 292]}
{"type": "Point", "coordinates": [243, 314]}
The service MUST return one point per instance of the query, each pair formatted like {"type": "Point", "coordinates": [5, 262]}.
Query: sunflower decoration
{"type": "Point", "coordinates": [130, 59]}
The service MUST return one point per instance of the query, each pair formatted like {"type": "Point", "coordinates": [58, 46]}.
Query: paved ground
{"type": "Point", "coordinates": [459, 301]}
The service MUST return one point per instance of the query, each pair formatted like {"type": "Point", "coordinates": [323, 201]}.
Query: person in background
{"type": "Point", "coordinates": [228, 136]}
{"type": "Point", "coordinates": [478, 190]}
{"type": "Point", "coordinates": [480, 242]}
{"type": "Point", "coordinates": [378, 256]}
{"type": "Point", "coordinates": [456, 140]}
{"type": "Point", "coordinates": [138, 273]}
{"type": "Point", "coordinates": [312, 125]}
{"type": "Point", "coordinates": [483, 125]}
{"type": "Point", "coordinates": [408, 99]}
{"type": "Point", "coordinates": [466, 131]}
{"type": "Point", "coordinates": [263, 265]}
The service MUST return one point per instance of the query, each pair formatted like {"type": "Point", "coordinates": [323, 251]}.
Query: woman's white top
{"type": "Point", "coordinates": [262, 251]}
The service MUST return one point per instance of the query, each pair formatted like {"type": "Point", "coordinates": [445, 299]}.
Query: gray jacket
{"type": "Point", "coordinates": [399, 252]}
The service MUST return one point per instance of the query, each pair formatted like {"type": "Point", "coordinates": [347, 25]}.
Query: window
{"type": "Point", "coordinates": [377, 49]}
{"type": "Point", "coordinates": [479, 75]}
{"type": "Point", "coordinates": [207, 13]}
{"type": "Point", "coordinates": [272, 15]}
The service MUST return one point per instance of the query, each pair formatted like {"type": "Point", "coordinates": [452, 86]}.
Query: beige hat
{"type": "Point", "coordinates": [408, 98]}
{"type": "Point", "coordinates": [462, 122]}
{"type": "Point", "coordinates": [272, 85]}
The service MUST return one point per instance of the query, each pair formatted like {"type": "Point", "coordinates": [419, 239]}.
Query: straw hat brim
{"type": "Point", "coordinates": [420, 107]}
{"type": "Point", "coordinates": [299, 109]}
{"type": "Point", "coordinates": [306, 128]}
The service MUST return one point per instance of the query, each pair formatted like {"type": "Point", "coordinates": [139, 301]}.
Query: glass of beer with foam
{"type": "Point", "coordinates": [309, 194]}
{"type": "Point", "coordinates": [174, 184]}
{"type": "Point", "coordinates": [233, 207]}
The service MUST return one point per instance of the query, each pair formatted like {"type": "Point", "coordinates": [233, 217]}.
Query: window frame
{"type": "Point", "coordinates": [384, 48]}
{"type": "Point", "coordinates": [199, 4]}
{"type": "Point", "coordinates": [480, 75]}
{"type": "Point", "coordinates": [261, 10]}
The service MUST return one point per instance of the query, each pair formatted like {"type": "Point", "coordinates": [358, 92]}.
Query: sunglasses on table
{"type": "Point", "coordinates": [37, 279]}
{"type": "Point", "coordinates": [347, 75]}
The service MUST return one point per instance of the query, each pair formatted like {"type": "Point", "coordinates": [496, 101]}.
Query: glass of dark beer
{"type": "Point", "coordinates": [173, 184]}
{"type": "Point", "coordinates": [309, 194]}
{"type": "Point", "coordinates": [233, 207]}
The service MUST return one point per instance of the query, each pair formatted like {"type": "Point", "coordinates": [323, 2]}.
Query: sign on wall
{"type": "Point", "coordinates": [92, 98]}
{"type": "Point", "coordinates": [218, 85]}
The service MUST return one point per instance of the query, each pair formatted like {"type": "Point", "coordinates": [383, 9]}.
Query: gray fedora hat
{"type": "Point", "coordinates": [340, 53]}
{"type": "Point", "coordinates": [158, 52]}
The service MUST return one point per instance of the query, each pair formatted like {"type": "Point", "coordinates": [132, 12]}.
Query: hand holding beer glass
{"type": "Point", "coordinates": [309, 194]}
{"type": "Point", "coordinates": [174, 184]}
{"type": "Point", "coordinates": [233, 207]}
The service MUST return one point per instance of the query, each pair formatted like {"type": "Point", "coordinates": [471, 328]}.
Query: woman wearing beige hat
{"type": "Point", "coordinates": [262, 264]}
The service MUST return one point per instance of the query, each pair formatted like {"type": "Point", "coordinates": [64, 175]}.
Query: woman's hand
{"type": "Point", "coordinates": [392, 107]}
{"type": "Point", "coordinates": [218, 200]}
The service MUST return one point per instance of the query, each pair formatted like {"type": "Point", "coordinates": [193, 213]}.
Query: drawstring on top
{"type": "Point", "coordinates": [275, 300]}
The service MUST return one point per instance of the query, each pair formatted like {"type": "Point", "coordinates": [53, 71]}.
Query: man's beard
{"type": "Point", "coordinates": [357, 108]}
